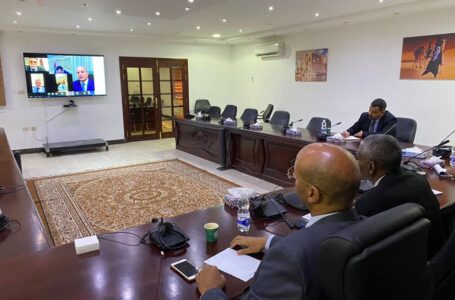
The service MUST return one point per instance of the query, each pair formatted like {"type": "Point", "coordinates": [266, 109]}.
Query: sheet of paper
{"type": "Point", "coordinates": [241, 266]}
{"type": "Point", "coordinates": [436, 192]}
{"type": "Point", "coordinates": [352, 138]}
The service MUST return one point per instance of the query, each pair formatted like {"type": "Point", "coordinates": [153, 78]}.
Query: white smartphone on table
{"type": "Point", "coordinates": [185, 269]}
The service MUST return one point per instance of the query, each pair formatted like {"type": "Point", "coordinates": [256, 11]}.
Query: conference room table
{"type": "Point", "coordinates": [268, 153]}
{"type": "Point", "coordinates": [118, 271]}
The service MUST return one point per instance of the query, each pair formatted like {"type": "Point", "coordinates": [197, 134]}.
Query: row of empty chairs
{"type": "Point", "coordinates": [405, 130]}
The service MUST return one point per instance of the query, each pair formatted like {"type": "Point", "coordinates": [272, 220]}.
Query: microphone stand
{"type": "Point", "coordinates": [408, 161]}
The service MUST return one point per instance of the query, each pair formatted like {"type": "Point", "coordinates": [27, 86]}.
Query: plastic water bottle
{"type": "Point", "coordinates": [243, 215]}
{"type": "Point", "coordinates": [323, 127]}
{"type": "Point", "coordinates": [452, 157]}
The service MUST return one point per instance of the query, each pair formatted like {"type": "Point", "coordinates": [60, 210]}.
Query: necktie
{"type": "Point", "coordinates": [83, 86]}
{"type": "Point", "coordinates": [371, 129]}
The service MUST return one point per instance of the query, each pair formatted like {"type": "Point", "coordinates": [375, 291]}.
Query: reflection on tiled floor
{"type": "Point", "coordinates": [38, 165]}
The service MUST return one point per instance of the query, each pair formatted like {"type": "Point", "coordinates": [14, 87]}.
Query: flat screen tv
{"type": "Point", "coordinates": [64, 75]}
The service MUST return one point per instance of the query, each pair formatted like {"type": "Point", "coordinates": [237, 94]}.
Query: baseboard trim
{"type": "Point", "coordinates": [40, 150]}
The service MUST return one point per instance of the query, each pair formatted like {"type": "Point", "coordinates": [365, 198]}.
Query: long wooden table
{"type": "Point", "coordinates": [267, 154]}
{"type": "Point", "coordinates": [17, 204]}
{"type": "Point", "coordinates": [126, 272]}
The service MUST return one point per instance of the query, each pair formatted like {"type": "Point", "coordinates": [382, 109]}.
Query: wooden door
{"type": "Point", "coordinates": [153, 91]}
{"type": "Point", "coordinates": [173, 92]}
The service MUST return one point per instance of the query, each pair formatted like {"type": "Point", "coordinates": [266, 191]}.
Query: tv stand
{"type": "Point", "coordinates": [49, 148]}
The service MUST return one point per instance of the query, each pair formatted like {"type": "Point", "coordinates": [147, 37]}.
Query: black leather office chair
{"type": "Point", "coordinates": [214, 111]}
{"type": "Point", "coordinates": [249, 115]}
{"type": "Point", "coordinates": [442, 266]}
{"type": "Point", "coordinates": [280, 117]}
{"type": "Point", "coordinates": [265, 115]}
{"type": "Point", "coordinates": [315, 124]}
{"type": "Point", "coordinates": [230, 111]}
{"type": "Point", "coordinates": [406, 130]}
{"type": "Point", "coordinates": [202, 105]}
{"type": "Point", "coordinates": [381, 257]}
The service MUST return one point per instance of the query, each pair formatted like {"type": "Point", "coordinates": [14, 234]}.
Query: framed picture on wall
{"type": "Point", "coordinates": [311, 65]}
{"type": "Point", "coordinates": [430, 57]}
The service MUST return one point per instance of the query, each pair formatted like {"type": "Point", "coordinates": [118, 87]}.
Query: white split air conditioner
{"type": "Point", "coordinates": [271, 50]}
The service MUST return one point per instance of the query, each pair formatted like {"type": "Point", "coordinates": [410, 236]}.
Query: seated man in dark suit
{"type": "Point", "coordinates": [83, 82]}
{"type": "Point", "coordinates": [379, 158]}
{"type": "Point", "coordinates": [376, 120]}
{"type": "Point", "coordinates": [326, 179]}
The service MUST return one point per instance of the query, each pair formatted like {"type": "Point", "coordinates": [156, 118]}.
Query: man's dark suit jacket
{"type": "Point", "coordinates": [405, 187]}
{"type": "Point", "coordinates": [78, 88]}
{"type": "Point", "coordinates": [289, 269]}
{"type": "Point", "coordinates": [363, 124]}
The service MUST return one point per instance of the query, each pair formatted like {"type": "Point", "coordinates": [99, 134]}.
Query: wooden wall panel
{"type": "Point", "coordinates": [2, 87]}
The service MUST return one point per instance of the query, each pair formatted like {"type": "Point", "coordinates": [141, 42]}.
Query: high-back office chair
{"type": "Point", "coordinates": [249, 115]}
{"type": "Point", "coordinates": [315, 124]}
{"type": "Point", "coordinates": [406, 130]}
{"type": "Point", "coordinates": [442, 266]}
{"type": "Point", "coordinates": [265, 115]}
{"type": "Point", "coordinates": [280, 117]}
{"type": "Point", "coordinates": [214, 111]}
{"type": "Point", "coordinates": [230, 111]}
{"type": "Point", "coordinates": [202, 105]}
{"type": "Point", "coordinates": [381, 257]}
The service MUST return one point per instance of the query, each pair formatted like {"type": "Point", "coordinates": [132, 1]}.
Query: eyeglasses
{"type": "Point", "coordinates": [290, 172]}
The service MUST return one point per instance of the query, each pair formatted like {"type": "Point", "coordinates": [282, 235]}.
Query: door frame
{"type": "Point", "coordinates": [154, 63]}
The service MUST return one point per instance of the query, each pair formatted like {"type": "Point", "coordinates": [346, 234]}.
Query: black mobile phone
{"type": "Point", "coordinates": [186, 269]}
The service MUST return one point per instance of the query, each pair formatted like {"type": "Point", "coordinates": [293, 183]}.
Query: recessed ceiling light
{"type": "Point", "coordinates": [316, 15]}
{"type": "Point", "coordinates": [78, 26]}
{"type": "Point", "coordinates": [271, 8]}
{"type": "Point", "coordinates": [131, 29]}
{"type": "Point", "coordinates": [240, 30]}
{"type": "Point", "coordinates": [187, 8]}
{"type": "Point", "coordinates": [381, 1]}
{"type": "Point", "coordinates": [224, 20]}
{"type": "Point", "coordinates": [149, 24]}
{"type": "Point", "coordinates": [157, 13]}
{"type": "Point", "coordinates": [190, 1]}
{"type": "Point", "coordinates": [84, 5]}
{"type": "Point", "coordinates": [216, 35]}
{"type": "Point", "coordinates": [90, 19]}
{"type": "Point", "coordinates": [15, 22]}
{"type": "Point", "coordinates": [18, 13]}
{"type": "Point", "coordinates": [198, 27]}
{"type": "Point", "coordinates": [118, 12]}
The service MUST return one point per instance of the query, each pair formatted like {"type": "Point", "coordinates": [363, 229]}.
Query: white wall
{"type": "Point", "coordinates": [94, 117]}
{"type": "Point", "coordinates": [363, 64]}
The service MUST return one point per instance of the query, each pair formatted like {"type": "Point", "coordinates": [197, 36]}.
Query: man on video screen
{"type": "Point", "coordinates": [83, 82]}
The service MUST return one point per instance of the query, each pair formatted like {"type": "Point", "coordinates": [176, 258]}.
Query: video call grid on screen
{"type": "Point", "coordinates": [64, 75]}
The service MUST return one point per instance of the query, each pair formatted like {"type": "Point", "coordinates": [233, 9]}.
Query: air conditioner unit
{"type": "Point", "coordinates": [271, 50]}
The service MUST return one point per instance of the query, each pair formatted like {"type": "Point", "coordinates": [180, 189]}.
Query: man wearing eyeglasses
{"type": "Point", "coordinates": [326, 179]}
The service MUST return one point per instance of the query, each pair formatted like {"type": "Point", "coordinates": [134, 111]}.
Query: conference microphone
{"type": "Point", "coordinates": [296, 224]}
{"type": "Point", "coordinates": [390, 129]}
{"type": "Point", "coordinates": [334, 125]}
{"type": "Point", "coordinates": [434, 147]}
{"type": "Point", "coordinates": [293, 122]}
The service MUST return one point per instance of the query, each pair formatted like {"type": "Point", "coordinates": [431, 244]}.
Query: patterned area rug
{"type": "Point", "coordinates": [97, 202]}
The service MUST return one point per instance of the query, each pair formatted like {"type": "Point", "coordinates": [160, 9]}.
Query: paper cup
{"type": "Point", "coordinates": [211, 232]}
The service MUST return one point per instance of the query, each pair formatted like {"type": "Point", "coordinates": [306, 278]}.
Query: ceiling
{"type": "Point", "coordinates": [245, 19]}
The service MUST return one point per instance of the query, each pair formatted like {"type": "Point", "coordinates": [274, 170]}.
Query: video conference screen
{"type": "Point", "coordinates": [64, 75]}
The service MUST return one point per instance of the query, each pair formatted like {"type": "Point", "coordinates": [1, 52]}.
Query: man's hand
{"type": "Point", "coordinates": [249, 244]}
{"type": "Point", "coordinates": [345, 134]}
{"type": "Point", "coordinates": [209, 278]}
{"type": "Point", "coordinates": [359, 134]}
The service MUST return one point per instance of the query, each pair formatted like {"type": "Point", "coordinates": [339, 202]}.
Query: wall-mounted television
{"type": "Point", "coordinates": [64, 75]}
